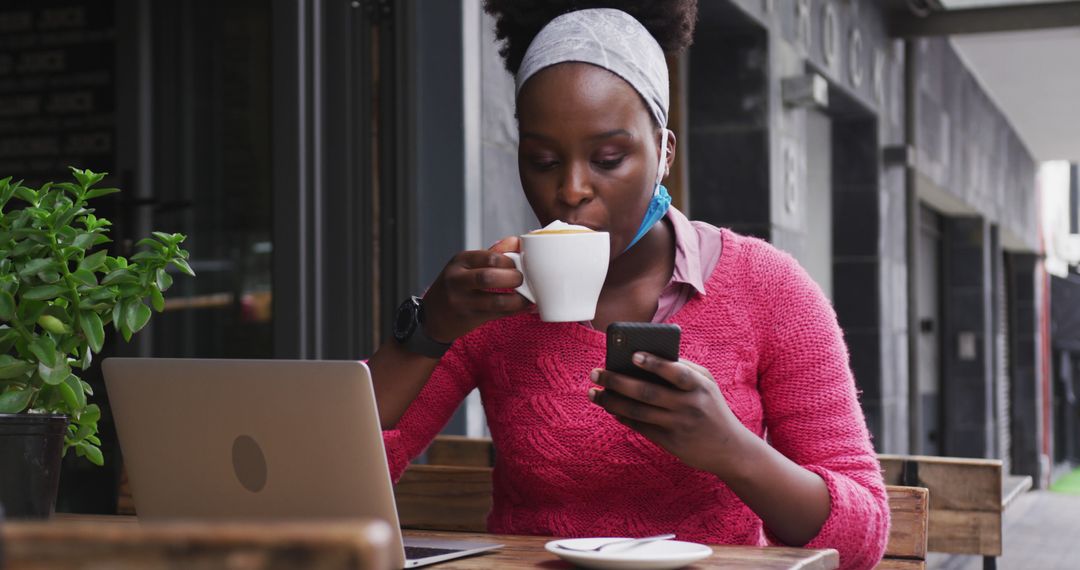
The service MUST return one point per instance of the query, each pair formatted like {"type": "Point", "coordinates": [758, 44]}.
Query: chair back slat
{"type": "Point", "coordinates": [909, 522]}
{"type": "Point", "coordinates": [965, 499]}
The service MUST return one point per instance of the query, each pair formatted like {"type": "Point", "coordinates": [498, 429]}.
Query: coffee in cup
{"type": "Point", "coordinates": [565, 267]}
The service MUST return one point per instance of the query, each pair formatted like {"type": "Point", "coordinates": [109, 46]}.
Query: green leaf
{"type": "Point", "coordinates": [70, 345]}
{"type": "Point", "coordinates": [8, 336]}
{"type": "Point", "coordinates": [24, 247]}
{"type": "Point", "coordinates": [157, 299]}
{"type": "Point", "coordinates": [64, 219]}
{"type": "Point", "coordinates": [117, 315]}
{"type": "Point", "coordinates": [99, 192]}
{"type": "Point", "coordinates": [44, 349]}
{"type": "Point", "coordinates": [87, 177]}
{"type": "Point", "coordinates": [54, 375]}
{"type": "Point", "coordinates": [68, 394]}
{"type": "Point", "coordinates": [93, 261]}
{"type": "Point", "coordinates": [11, 367]}
{"type": "Point", "coordinates": [45, 292]}
{"type": "Point", "coordinates": [49, 276]}
{"type": "Point", "coordinates": [14, 400]}
{"type": "Point", "coordinates": [150, 243]}
{"type": "Point", "coordinates": [90, 415]}
{"type": "Point", "coordinates": [35, 266]}
{"type": "Point", "coordinates": [25, 194]}
{"type": "Point", "coordinates": [164, 280]}
{"type": "Point", "coordinates": [87, 389]}
{"type": "Point", "coordinates": [84, 431]}
{"type": "Point", "coordinates": [91, 326]}
{"type": "Point", "coordinates": [84, 240]}
{"type": "Point", "coordinates": [183, 266]}
{"type": "Point", "coordinates": [92, 453]}
{"type": "Point", "coordinates": [145, 255]}
{"type": "Point", "coordinates": [131, 306]}
{"type": "Point", "coordinates": [73, 189]}
{"type": "Point", "coordinates": [53, 324]}
{"type": "Point", "coordinates": [75, 385]}
{"type": "Point", "coordinates": [29, 311]}
{"type": "Point", "coordinates": [138, 316]}
{"type": "Point", "coordinates": [118, 276]}
{"type": "Point", "coordinates": [7, 306]}
{"type": "Point", "coordinates": [85, 276]}
{"type": "Point", "coordinates": [102, 294]}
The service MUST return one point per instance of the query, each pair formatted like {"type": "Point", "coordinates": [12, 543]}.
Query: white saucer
{"type": "Point", "coordinates": [659, 555]}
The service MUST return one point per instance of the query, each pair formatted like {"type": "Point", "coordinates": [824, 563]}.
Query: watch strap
{"type": "Point", "coordinates": [418, 342]}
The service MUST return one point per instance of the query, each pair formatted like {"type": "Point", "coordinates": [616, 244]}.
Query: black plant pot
{"type": "Point", "coordinates": [30, 453]}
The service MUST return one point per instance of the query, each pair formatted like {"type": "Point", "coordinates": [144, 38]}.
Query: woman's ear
{"type": "Point", "coordinates": [670, 152]}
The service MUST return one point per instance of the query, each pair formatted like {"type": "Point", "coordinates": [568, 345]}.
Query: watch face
{"type": "Point", "coordinates": [405, 323]}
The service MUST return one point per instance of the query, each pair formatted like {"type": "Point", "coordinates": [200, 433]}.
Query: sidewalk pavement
{"type": "Point", "coordinates": [1042, 531]}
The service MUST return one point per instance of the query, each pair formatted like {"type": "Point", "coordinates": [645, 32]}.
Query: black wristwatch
{"type": "Point", "coordinates": [409, 330]}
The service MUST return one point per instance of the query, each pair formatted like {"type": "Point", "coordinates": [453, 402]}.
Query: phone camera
{"type": "Point", "coordinates": [619, 338]}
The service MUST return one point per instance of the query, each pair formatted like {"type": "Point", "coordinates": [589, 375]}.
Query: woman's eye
{"type": "Point", "coordinates": [609, 163]}
{"type": "Point", "coordinates": [545, 164]}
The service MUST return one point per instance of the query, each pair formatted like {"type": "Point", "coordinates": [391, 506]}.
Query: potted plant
{"type": "Point", "coordinates": [58, 292]}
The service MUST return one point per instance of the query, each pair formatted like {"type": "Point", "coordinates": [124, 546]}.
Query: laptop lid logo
{"type": "Point", "coordinates": [249, 463]}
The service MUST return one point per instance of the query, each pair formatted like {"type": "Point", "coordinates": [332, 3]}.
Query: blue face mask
{"type": "Point", "coordinates": [661, 200]}
{"type": "Point", "coordinates": [658, 207]}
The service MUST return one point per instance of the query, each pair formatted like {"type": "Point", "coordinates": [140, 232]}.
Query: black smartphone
{"type": "Point", "coordinates": [624, 339]}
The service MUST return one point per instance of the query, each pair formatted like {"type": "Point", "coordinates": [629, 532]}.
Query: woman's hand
{"type": "Point", "coordinates": [689, 418]}
{"type": "Point", "coordinates": [461, 299]}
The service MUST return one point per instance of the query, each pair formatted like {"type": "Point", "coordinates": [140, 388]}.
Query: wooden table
{"type": "Point", "coordinates": [73, 542]}
{"type": "Point", "coordinates": [528, 552]}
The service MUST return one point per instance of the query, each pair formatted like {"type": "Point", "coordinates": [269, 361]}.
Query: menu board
{"type": "Point", "coordinates": [57, 87]}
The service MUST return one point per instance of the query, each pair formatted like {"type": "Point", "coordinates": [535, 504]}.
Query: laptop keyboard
{"type": "Point", "coordinates": [418, 552]}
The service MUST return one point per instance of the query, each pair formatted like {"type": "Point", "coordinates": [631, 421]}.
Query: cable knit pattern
{"type": "Point", "coordinates": [566, 468]}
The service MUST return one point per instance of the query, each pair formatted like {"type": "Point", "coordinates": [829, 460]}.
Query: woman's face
{"type": "Point", "coordinates": [588, 150]}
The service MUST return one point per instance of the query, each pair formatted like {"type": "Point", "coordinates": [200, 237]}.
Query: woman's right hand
{"type": "Point", "coordinates": [461, 298]}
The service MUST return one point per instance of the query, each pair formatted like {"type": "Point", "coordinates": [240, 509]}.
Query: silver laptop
{"type": "Point", "coordinates": [258, 439]}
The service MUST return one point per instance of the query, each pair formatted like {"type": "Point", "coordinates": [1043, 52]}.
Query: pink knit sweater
{"type": "Point", "coordinates": [566, 468]}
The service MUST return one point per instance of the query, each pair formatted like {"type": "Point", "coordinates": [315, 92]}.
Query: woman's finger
{"type": "Point", "coordinates": [495, 278]}
{"type": "Point", "coordinates": [512, 243]}
{"type": "Point", "coordinates": [646, 392]}
{"type": "Point", "coordinates": [679, 374]}
{"type": "Point", "coordinates": [493, 304]}
{"type": "Point", "coordinates": [701, 369]}
{"type": "Point", "coordinates": [618, 405]}
{"type": "Point", "coordinates": [483, 258]}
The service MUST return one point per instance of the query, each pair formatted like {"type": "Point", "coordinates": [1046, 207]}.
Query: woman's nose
{"type": "Point", "coordinates": [576, 188]}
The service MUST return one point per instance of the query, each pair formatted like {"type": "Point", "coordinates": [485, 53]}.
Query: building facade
{"type": "Point", "coordinates": [327, 157]}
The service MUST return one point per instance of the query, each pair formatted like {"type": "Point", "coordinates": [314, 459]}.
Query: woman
{"type": "Point", "coordinates": [586, 452]}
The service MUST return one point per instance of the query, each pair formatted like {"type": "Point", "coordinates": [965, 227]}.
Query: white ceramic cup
{"type": "Point", "coordinates": [564, 273]}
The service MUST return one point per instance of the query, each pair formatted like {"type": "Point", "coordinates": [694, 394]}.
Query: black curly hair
{"type": "Point", "coordinates": [671, 22]}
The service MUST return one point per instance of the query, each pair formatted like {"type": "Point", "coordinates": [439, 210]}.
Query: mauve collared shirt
{"type": "Point", "coordinates": [697, 250]}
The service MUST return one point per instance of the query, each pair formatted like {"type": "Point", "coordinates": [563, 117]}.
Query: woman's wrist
{"type": "Point", "coordinates": [745, 451]}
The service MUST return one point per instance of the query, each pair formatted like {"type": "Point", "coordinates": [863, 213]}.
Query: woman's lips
{"type": "Point", "coordinates": [591, 226]}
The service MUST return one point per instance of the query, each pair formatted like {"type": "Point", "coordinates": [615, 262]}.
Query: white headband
{"type": "Point", "coordinates": [608, 38]}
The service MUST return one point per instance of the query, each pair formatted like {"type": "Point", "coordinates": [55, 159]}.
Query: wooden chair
{"type": "Point", "coordinates": [76, 542]}
{"type": "Point", "coordinates": [968, 498]}
{"type": "Point", "coordinates": [909, 519]}
{"type": "Point", "coordinates": [451, 492]}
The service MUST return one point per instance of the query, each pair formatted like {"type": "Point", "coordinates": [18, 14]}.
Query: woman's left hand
{"type": "Point", "coordinates": [689, 418]}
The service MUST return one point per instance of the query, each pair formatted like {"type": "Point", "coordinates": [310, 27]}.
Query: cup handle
{"type": "Point", "coordinates": [524, 288]}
